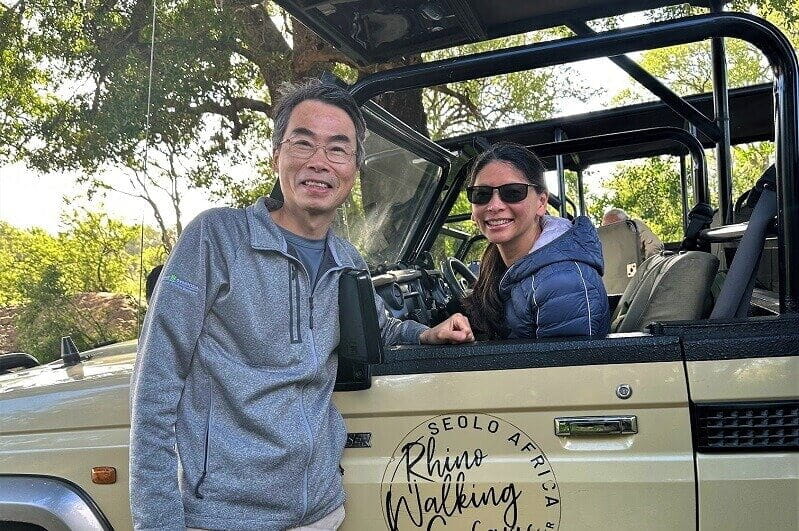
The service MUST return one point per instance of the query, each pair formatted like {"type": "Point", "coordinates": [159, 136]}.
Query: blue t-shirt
{"type": "Point", "coordinates": [309, 252]}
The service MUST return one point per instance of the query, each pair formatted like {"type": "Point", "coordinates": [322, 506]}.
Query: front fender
{"type": "Point", "coordinates": [51, 503]}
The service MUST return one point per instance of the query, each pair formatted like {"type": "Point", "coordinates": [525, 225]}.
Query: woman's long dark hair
{"type": "Point", "coordinates": [484, 306]}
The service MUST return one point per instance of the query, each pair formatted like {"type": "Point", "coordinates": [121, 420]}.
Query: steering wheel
{"type": "Point", "coordinates": [452, 266]}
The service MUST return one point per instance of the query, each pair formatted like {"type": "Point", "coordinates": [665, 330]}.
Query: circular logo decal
{"type": "Point", "coordinates": [469, 471]}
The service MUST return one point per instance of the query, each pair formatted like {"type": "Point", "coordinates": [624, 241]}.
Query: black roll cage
{"type": "Point", "coordinates": [639, 136]}
{"type": "Point", "coordinates": [606, 141]}
{"type": "Point", "coordinates": [761, 33]}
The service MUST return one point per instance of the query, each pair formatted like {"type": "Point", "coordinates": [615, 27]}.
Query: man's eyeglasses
{"type": "Point", "coordinates": [304, 149]}
{"type": "Point", "coordinates": [509, 193]}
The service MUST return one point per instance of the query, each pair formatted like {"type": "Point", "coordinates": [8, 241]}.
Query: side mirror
{"type": "Point", "coordinates": [360, 344]}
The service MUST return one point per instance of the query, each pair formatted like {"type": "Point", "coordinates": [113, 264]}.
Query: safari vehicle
{"type": "Point", "coordinates": [686, 423]}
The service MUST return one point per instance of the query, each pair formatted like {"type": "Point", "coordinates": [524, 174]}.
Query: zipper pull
{"type": "Point", "coordinates": [310, 300]}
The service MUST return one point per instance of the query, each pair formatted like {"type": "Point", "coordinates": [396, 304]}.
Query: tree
{"type": "Point", "coordinates": [51, 313]}
{"type": "Point", "coordinates": [648, 191]}
{"type": "Point", "coordinates": [87, 105]}
{"type": "Point", "coordinates": [687, 69]}
{"type": "Point", "coordinates": [94, 253]}
{"type": "Point", "coordinates": [217, 69]}
{"type": "Point", "coordinates": [58, 284]}
{"type": "Point", "coordinates": [486, 103]}
{"type": "Point", "coordinates": [23, 255]}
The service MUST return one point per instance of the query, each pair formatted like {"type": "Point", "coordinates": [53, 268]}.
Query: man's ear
{"type": "Point", "coordinates": [274, 160]}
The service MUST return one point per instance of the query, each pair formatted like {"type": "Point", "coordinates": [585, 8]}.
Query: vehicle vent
{"type": "Point", "coordinates": [755, 426]}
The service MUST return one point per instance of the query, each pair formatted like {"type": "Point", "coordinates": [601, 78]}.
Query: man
{"type": "Point", "coordinates": [232, 425]}
{"type": "Point", "coordinates": [650, 244]}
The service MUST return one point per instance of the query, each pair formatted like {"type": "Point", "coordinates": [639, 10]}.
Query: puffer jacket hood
{"type": "Point", "coordinates": [560, 241]}
{"type": "Point", "coordinates": [557, 289]}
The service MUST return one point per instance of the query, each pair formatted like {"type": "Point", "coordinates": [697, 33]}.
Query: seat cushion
{"type": "Point", "coordinates": [666, 287]}
{"type": "Point", "coordinates": [621, 251]}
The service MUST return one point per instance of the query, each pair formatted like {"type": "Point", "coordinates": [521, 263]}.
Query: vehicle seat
{"type": "Point", "coordinates": [718, 249]}
{"type": "Point", "coordinates": [667, 287]}
{"type": "Point", "coordinates": [621, 251]}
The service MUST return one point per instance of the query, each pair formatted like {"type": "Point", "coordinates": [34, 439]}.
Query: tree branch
{"type": "Point", "coordinates": [261, 42]}
{"type": "Point", "coordinates": [241, 103]}
{"type": "Point", "coordinates": [461, 98]}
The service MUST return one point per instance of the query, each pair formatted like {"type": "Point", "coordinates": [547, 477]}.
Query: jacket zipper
{"type": "Point", "coordinates": [302, 393]}
{"type": "Point", "coordinates": [197, 493]}
{"type": "Point", "coordinates": [308, 431]}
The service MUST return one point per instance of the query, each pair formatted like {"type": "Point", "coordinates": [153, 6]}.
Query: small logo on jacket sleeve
{"type": "Point", "coordinates": [182, 284]}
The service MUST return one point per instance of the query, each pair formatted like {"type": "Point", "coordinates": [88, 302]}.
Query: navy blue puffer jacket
{"type": "Point", "coordinates": [557, 290]}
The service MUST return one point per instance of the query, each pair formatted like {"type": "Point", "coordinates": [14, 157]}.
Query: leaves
{"type": "Point", "coordinates": [94, 253]}
{"type": "Point", "coordinates": [487, 103]}
{"type": "Point", "coordinates": [649, 191]}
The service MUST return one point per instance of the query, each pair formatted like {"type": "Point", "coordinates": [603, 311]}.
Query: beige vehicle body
{"type": "Point", "coordinates": [486, 434]}
{"type": "Point", "coordinates": [690, 425]}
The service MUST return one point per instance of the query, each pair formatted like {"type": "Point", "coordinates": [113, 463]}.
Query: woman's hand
{"type": "Point", "coordinates": [456, 329]}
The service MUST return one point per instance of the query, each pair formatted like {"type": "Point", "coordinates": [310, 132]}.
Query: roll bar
{"type": "Point", "coordinates": [761, 33]}
{"type": "Point", "coordinates": [640, 136]}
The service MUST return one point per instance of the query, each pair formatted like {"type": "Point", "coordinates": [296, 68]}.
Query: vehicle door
{"type": "Point", "coordinates": [530, 435]}
{"type": "Point", "coordinates": [744, 386]}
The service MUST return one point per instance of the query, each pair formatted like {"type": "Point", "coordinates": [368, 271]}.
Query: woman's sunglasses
{"type": "Point", "coordinates": [509, 193]}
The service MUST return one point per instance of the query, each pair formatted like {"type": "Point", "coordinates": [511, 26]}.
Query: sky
{"type": "Point", "coordinates": [29, 199]}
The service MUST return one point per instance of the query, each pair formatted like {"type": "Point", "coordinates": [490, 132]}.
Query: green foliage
{"type": "Point", "coordinates": [74, 92]}
{"type": "Point", "coordinates": [486, 103]}
{"type": "Point", "coordinates": [93, 254]}
{"type": "Point", "coordinates": [244, 194]}
{"type": "Point", "coordinates": [19, 74]}
{"type": "Point", "coordinates": [750, 161]}
{"type": "Point", "coordinates": [51, 313]}
{"type": "Point", "coordinates": [56, 281]}
{"type": "Point", "coordinates": [648, 191]}
{"type": "Point", "coordinates": [24, 254]}
{"type": "Point", "coordinates": [785, 13]}
{"type": "Point", "coordinates": [47, 316]}
{"type": "Point", "coordinates": [687, 69]}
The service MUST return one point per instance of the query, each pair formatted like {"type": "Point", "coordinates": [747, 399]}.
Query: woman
{"type": "Point", "coordinates": [540, 275]}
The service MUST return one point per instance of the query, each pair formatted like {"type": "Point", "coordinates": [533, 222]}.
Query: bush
{"type": "Point", "coordinates": [51, 313]}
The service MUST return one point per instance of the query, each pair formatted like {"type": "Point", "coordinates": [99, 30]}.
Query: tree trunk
{"type": "Point", "coordinates": [312, 57]}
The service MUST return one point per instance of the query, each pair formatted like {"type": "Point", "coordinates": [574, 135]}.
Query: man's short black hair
{"type": "Point", "coordinates": [326, 92]}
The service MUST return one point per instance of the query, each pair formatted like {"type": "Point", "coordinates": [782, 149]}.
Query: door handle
{"type": "Point", "coordinates": [592, 426]}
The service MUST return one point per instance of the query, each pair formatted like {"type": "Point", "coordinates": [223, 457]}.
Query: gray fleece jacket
{"type": "Point", "coordinates": [232, 426]}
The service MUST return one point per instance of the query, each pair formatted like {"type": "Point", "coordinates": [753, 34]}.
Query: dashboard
{"type": "Point", "coordinates": [414, 293]}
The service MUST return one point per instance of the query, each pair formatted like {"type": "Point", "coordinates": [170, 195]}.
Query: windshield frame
{"type": "Point", "coordinates": [389, 127]}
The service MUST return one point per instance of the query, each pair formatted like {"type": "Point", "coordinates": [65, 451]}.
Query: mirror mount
{"type": "Point", "coordinates": [360, 343]}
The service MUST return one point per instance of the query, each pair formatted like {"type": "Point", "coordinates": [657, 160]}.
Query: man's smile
{"type": "Point", "coordinates": [314, 183]}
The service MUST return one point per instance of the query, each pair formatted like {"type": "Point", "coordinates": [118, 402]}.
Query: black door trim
{"type": "Point", "coordinates": [730, 339]}
{"type": "Point", "coordinates": [527, 354]}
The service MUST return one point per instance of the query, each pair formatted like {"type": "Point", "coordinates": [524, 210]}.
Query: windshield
{"type": "Point", "coordinates": [388, 200]}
